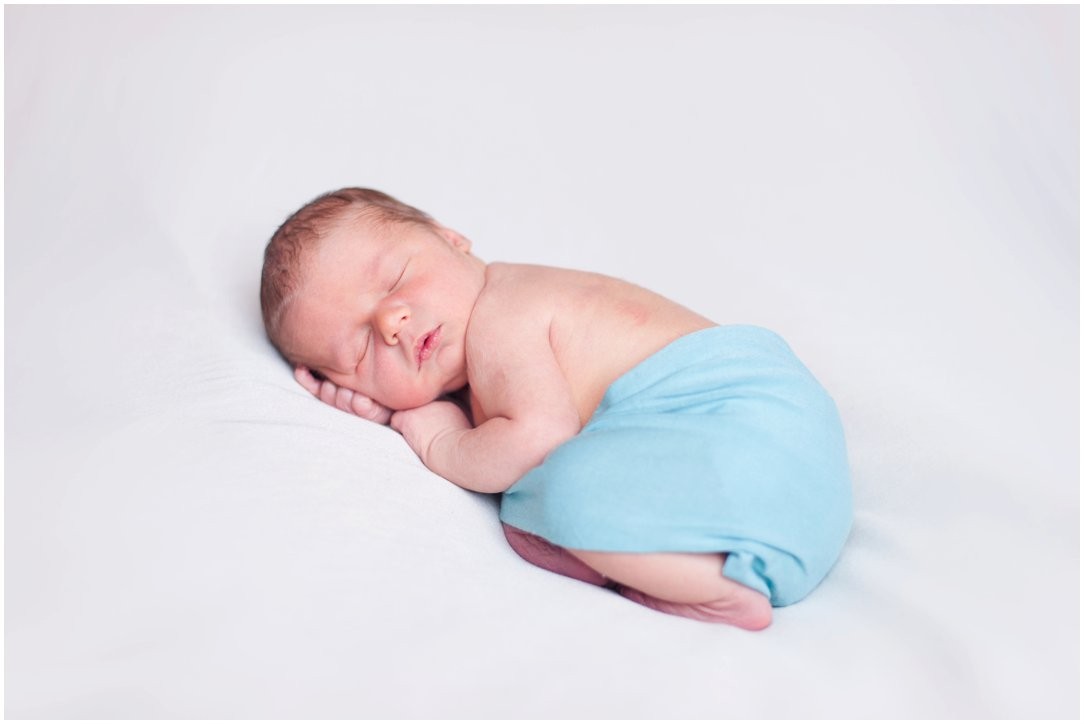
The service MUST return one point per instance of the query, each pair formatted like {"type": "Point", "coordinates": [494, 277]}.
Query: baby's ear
{"type": "Point", "coordinates": [454, 238]}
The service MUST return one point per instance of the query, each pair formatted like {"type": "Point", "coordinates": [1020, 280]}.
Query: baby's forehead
{"type": "Point", "coordinates": [342, 242]}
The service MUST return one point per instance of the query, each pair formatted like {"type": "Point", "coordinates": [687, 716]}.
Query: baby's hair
{"type": "Point", "coordinates": [299, 235]}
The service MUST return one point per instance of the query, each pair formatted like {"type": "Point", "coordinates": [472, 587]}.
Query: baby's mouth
{"type": "Point", "coordinates": [427, 344]}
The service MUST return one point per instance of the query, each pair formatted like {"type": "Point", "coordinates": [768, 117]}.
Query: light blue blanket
{"type": "Point", "coordinates": [722, 441]}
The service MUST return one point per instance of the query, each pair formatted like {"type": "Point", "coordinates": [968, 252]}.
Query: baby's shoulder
{"type": "Point", "coordinates": [500, 275]}
{"type": "Point", "coordinates": [532, 282]}
{"type": "Point", "coordinates": [517, 302]}
{"type": "Point", "coordinates": [513, 289]}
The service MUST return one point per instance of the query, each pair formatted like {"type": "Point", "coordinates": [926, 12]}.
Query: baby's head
{"type": "Point", "coordinates": [372, 294]}
{"type": "Point", "coordinates": [294, 241]}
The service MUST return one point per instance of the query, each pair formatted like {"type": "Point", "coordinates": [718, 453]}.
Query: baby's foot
{"type": "Point", "coordinates": [343, 398]}
{"type": "Point", "coordinates": [752, 613]}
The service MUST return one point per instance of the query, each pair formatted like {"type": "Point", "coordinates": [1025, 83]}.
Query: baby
{"type": "Point", "coordinates": [694, 468]}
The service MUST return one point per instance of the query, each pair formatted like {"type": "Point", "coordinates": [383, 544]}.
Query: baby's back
{"type": "Point", "coordinates": [599, 327]}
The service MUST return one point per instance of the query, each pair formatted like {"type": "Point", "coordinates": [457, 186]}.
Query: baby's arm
{"type": "Point", "coordinates": [485, 459]}
{"type": "Point", "coordinates": [528, 408]}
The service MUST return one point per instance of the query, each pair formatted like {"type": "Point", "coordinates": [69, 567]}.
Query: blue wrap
{"type": "Point", "coordinates": [721, 442]}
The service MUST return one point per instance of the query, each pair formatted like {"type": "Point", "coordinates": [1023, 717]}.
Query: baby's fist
{"type": "Point", "coordinates": [421, 426]}
{"type": "Point", "coordinates": [343, 398]}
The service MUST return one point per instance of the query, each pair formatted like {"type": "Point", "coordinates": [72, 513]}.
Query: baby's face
{"type": "Point", "coordinates": [383, 310]}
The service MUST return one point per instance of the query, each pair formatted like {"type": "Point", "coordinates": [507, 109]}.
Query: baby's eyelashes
{"type": "Point", "coordinates": [401, 275]}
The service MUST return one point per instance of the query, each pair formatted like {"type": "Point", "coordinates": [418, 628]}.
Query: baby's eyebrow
{"type": "Point", "coordinates": [377, 263]}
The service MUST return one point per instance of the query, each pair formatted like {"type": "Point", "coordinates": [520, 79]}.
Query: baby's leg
{"type": "Point", "coordinates": [683, 584]}
{"type": "Point", "coordinates": [539, 551]}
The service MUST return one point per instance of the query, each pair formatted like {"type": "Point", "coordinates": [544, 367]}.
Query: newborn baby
{"type": "Point", "coordinates": [694, 468]}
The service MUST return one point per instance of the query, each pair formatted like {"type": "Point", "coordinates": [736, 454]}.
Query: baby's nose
{"type": "Point", "coordinates": [391, 322]}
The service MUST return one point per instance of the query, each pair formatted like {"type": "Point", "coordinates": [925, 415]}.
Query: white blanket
{"type": "Point", "coordinates": [190, 534]}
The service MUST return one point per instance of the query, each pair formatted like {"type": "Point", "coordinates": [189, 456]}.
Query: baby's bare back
{"type": "Point", "coordinates": [598, 327]}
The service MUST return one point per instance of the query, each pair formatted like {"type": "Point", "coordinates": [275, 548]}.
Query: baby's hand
{"type": "Point", "coordinates": [345, 399]}
{"type": "Point", "coordinates": [422, 425]}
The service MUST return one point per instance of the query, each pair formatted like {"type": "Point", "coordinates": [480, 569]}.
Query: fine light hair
{"type": "Point", "coordinates": [300, 234]}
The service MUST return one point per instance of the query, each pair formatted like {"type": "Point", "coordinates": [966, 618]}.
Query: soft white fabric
{"type": "Point", "coordinates": [189, 534]}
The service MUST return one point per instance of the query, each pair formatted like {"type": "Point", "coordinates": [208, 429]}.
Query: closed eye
{"type": "Point", "coordinates": [401, 275]}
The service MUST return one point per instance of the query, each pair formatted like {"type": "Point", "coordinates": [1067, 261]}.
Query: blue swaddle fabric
{"type": "Point", "coordinates": [721, 442]}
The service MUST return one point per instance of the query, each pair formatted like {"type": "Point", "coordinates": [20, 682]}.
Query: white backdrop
{"type": "Point", "coordinates": [893, 189]}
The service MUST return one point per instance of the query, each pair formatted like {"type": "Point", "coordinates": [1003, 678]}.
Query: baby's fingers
{"type": "Point", "coordinates": [326, 390]}
{"type": "Point", "coordinates": [343, 398]}
{"type": "Point", "coordinates": [328, 393]}
{"type": "Point", "coordinates": [305, 379]}
{"type": "Point", "coordinates": [363, 406]}
{"type": "Point", "coordinates": [358, 404]}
